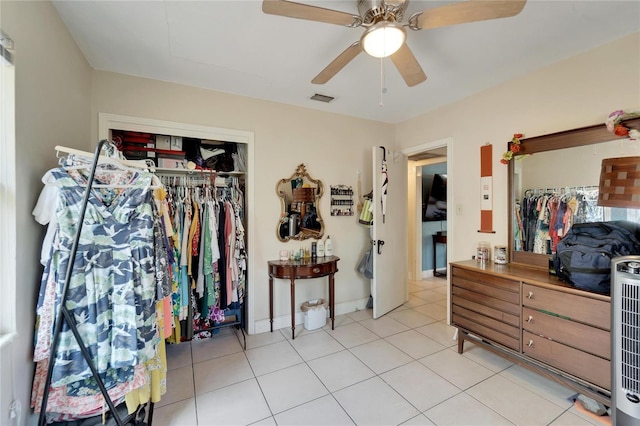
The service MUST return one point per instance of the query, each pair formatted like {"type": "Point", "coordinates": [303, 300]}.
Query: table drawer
{"type": "Point", "coordinates": [578, 308]}
{"type": "Point", "coordinates": [588, 367]}
{"type": "Point", "coordinates": [570, 333]}
{"type": "Point", "coordinates": [313, 271]}
{"type": "Point", "coordinates": [303, 271]}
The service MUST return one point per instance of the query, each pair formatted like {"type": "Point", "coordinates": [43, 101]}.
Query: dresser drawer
{"type": "Point", "coordinates": [577, 308]}
{"type": "Point", "coordinates": [498, 310]}
{"type": "Point", "coordinates": [588, 367]}
{"type": "Point", "coordinates": [500, 326]}
{"type": "Point", "coordinates": [570, 333]}
{"type": "Point", "coordinates": [474, 325]}
{"type": "Point", "coordinates": [486, 285]}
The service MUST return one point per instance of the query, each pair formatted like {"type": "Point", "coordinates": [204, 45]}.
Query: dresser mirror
{"type": "Point", "coordinates": [566, 164]}
{"type": "Point", "coordinates": [300, 217]}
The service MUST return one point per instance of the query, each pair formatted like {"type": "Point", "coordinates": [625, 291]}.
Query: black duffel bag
{"type": "Point", "coordinates": [583, 256]}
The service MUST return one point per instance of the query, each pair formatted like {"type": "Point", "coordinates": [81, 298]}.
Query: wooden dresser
{"type": "Point", "coordinates": [537, 321]}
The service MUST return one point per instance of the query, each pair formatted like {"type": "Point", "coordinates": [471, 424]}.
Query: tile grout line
{"type": "Point", "coordinates": [375, 374]}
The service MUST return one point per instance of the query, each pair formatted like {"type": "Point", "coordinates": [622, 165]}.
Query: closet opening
{"type": "Point", "coordinates": [183, 155]}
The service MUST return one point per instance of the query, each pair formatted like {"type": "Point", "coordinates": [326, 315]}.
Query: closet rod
{"type": "Point", "coordinates": [220, 182]}
{"type": "Point", "coordinates": [63, 313]}
{"type": "Point", "coordinates": [561, 189]}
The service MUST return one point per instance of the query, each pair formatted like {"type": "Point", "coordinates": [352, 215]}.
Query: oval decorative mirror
{"type": "Point", "coordinates": [299, 200]}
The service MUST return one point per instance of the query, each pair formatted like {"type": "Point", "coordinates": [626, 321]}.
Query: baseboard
{"type": "Point", "coordinates": [284, 321]}
{"type": "Point", "coordinates": [427, 274]}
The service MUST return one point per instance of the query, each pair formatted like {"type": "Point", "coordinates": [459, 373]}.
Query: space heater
{"type": "Point", "coordinates": [625, 340]}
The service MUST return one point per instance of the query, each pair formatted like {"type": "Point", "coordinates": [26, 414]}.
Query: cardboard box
{"type": "Point", "coordinates": [171, 163]}
{"type": "Point", "coordinates": [163, 142]}
{"type": "Point", "coordinates": [176, 143]}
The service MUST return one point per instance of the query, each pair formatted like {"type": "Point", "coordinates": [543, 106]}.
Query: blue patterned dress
{"type": "Point", "coordinates": [112, 291]}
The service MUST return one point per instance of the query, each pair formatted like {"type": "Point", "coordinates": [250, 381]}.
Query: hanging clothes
{"type": "Point", "coordinates": [113, 293]}
{"type": "Point", "coordinates": [543, 217]}
{"type": "Point", "coordinates": [210, 251]}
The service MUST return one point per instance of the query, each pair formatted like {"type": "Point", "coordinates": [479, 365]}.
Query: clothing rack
{"type": "Point", "coordinates": [192, 179]}
{"type": "Point", "coordinates": [65, 315]}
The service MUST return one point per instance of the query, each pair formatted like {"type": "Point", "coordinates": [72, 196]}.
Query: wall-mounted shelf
{"type": "Point", "coordinates": [341, 200]}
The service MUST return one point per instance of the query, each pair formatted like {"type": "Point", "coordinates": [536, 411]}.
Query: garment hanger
{"type": "Point", "coordinates": [85, 158]}
{"type": "Point", "coordinates": [136, 164]}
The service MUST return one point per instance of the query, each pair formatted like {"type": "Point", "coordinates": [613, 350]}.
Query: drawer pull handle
{"type": "Point", "coordinates": [530, 295]}
{"type": "Point", "coordinates": [316, 270]}
{"type": "Point", "coordinates": [530, 319]}
{"type": "Point", "coordinates": [530, 344]}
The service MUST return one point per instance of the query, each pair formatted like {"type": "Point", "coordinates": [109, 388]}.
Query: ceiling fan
{"type": "Point", "coordinates": [385, 34]}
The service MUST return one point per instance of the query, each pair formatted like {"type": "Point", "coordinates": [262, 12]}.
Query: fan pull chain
{"type": "Point", "coordinates": [383, 89]}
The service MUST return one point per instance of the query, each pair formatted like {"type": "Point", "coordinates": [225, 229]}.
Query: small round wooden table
{"type": "Point", "coordinates": [303, 269]}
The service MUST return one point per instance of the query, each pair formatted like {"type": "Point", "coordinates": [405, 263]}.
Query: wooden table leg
{"type": "Point", "coordinates": [331, 301]}
{"type": "Point", "coordinates": [293, 308]}
{"type": "Point", "coordinates": [271, 302]}
{"type": "Point", "coordinates": [434, 255]}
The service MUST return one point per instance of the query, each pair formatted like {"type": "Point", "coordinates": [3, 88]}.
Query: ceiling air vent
{"type": "Point", "coordinates": [322, 98]}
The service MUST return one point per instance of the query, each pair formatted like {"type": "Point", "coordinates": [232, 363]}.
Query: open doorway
{"type": "Point", "coordinates": [429, 225]}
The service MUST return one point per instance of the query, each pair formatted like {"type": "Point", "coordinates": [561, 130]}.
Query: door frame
{"type": "Point", "coordinates": [414, 218]}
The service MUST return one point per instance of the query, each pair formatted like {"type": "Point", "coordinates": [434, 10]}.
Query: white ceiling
{"type": "Point", "coordinates": [232, 46]}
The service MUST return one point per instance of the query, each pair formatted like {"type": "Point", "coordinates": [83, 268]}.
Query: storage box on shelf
{"type": "Point", "coordinates": [535, 320]}
{"type": "Point", "coordinates": [142, 146]}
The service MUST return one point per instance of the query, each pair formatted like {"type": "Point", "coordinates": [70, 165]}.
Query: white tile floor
{"type": "Point", "coordinates": [402, 368]}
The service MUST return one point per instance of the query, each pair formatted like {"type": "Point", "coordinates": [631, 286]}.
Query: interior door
{"type": "Point", "coordinates": [389, 231]}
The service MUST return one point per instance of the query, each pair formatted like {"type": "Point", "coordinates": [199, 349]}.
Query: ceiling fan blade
{"type": "Point", "coordinates": [408, 66]}
{"type": "Point", "coordinates": [469, 11]}
{"type": "Point", "coordinates": [310, 13]}
{"type": "Point", "coordinates": [338, 63]}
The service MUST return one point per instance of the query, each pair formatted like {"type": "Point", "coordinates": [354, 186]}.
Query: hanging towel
{"type": "Point", "coordinates": [366, 216]}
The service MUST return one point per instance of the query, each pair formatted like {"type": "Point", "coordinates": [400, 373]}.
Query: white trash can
{"type": "Point", "coordinates": [315, 313]}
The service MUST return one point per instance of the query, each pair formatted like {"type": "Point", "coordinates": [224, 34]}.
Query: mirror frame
{"type": "Point", "coordinates": [567, 139]}
{"type": "Point", "coordinates": [301, 172]}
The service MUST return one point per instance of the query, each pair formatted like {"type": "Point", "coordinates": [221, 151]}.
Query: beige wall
{"type": "Point", "coordinates": [53, 89]}
{"type": "Point", "coordinates": [333, 147]}
{"type": "Point", "coordinates": [577, 92]}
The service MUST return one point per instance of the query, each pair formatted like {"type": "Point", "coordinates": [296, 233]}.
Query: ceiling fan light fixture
{"type": "Point", "coordinates": [383, 39]}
